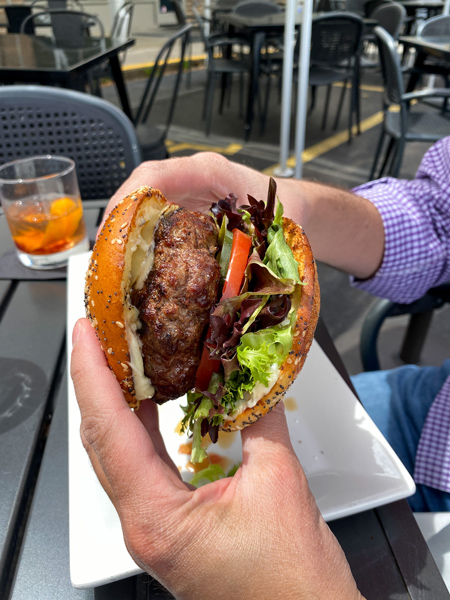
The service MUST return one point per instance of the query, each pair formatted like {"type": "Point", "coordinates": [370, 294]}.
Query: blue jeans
{"type": "Point", "coordinates": [398, 401]}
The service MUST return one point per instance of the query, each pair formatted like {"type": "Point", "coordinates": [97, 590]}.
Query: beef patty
{"type": "Point", "coordinates": [176, 299]}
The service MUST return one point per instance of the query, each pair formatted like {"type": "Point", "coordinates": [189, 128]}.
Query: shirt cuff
{"type": "Point", "coordinates": [412, 258]}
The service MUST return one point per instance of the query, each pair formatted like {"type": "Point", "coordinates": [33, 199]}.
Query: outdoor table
{"type": "Point", "coordinates": [437, 47]}
{"type": "Point", "coordinates": [386, 551]}
{"type": "Point", "coordinates": [432, 8]}
{"type": "Point", "coordinates": [256, 28]}
{"type": "Point", "coordinates": [34, 58]}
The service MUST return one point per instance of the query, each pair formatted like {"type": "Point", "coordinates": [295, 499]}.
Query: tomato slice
{"type": "Point", "coordinates": [235, 275]}
{"type": "Point", "coordinates": [238, 261]}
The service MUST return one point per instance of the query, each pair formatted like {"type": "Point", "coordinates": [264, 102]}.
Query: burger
{"type": "Point", "coordinates": [221, 307]}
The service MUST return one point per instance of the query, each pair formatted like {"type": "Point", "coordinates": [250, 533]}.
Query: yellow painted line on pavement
{"type": "Point", "coordinates": [330, 143]}
{"type": "Point", "coordinates": [227, 150]}
{"type": "Point", "coordinates": [171, 61]}
{"type": "Point", "coordinates": [362, 87]}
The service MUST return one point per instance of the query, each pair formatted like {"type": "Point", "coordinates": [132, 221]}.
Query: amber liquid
{"type": "Point", "coordinates": [39, 230]}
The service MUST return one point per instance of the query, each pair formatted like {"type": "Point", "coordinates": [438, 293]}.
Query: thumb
{"type": "Point", "coordinates": [267, 441]}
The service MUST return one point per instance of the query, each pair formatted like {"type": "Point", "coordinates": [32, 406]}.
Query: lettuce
{"type": "Point", "coordinates": [213, 473]}
{"type": "Point", "coordinates": [279, 257]}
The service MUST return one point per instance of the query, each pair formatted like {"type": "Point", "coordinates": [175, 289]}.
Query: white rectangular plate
{"type": "Point", "coordinates": [349, 464]}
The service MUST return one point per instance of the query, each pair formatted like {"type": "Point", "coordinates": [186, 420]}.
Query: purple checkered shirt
{"type": "Point", "coordinates": [416, 218]}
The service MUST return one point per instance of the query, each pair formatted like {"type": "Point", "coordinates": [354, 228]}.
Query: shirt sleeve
{"type": "Point", "coordinates": [416, 218]}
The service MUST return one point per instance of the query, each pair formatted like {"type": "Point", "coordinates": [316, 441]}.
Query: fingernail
{"type": "Point", "coordinates": [76, 333]}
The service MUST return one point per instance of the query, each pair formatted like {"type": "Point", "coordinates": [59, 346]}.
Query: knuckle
{"type": "Point", "coordinates": [90, 432]}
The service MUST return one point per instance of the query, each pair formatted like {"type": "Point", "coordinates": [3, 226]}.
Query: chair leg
{"type": "Point", "coordinates": [209, 103]}
{"type": "Point", "coordinates": [205, 97]}
{"type": "Point", "coordinates": [313, 98]}
{"type": "Point", "coordinates": [189, 61]}
{"type": "Point", "coordinates": [266, 105]}
{"type": "Point", "coordinates": [377, 156]}
{"type": "Point", "coordinates": [241, 96]}
{"type": "Point", "coordinates": [341, 102]}
{"type": "Point", "coordinates": [398, 158]}
{"type": "Point", "coordinates": [391, 146]}
{"type": "Point", "coordinates": [223, 90]}
{"type": "Point", "coordinates": [325, 110]}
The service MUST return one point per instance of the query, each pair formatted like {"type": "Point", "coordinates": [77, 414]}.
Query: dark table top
{"type": "Point", "coordinates": [386, 551]}
{"type": "Point", "coordinates": [435, 46]}
{"type": "Point", "coordinates": [422, 3]}
{"type": "Point", "coordinates": [34, 53]}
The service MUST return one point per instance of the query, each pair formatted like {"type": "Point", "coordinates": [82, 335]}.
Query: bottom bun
{"type": "Point", "coordinates": [307, 297]}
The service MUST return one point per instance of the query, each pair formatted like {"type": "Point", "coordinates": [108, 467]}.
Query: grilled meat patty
{"type": "Point", "coordinates": [176, 299]}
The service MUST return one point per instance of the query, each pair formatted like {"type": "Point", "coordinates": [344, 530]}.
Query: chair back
{"type": "Point", "coordinates": [180, 12]}
{"type": "Point", "coordinates": [256, 8]}
{"type": "Point", "coordinates": [390, 16]}
{"type": "Point", "coordinates": [335, 38]}
{"type": "Point", "coordinates": [435, 27]}
{"type": "Point", "coordinates": [16, 14]}
{"type": "Point", "coordinates": [201, 25]}
{"type": "Point", "coordinates": [70, 28]}
{"type": "Point", "coordinates": [390, 66]}
{"type": "Point", "coordinates": [121, 27]}
{"type": "Point", "coordinates": [94, 133]}
{"type": "Point", "coordinates": [355, 6]}
{"type": "Point", "coordinates": [156, 77]}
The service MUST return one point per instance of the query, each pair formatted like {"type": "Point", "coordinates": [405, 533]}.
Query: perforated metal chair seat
{"type": "Point", "coordinates": [37, 120]}
{"type": "Point", "coordinates": [422, 126]}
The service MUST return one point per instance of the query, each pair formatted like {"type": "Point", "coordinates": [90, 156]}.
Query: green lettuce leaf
{"type": "Point", "coordinates": [259, 351]}
{"type": "Point", "coordinates": [279, 256]}
{"type": "Point", "coordinates": [210, 473]}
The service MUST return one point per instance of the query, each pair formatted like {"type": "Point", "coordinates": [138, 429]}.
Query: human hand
{"type": "Point", "coordinates": [257, 535]}
{"type": "Point", "coordinates": [199, 180]}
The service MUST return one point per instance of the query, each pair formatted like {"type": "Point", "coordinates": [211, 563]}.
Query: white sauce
{"type": "Point", "coordinates": [139, 262]}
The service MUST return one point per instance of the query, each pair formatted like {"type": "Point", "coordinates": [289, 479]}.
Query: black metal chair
{"type": "Point", "coordinates": [152, 137]}
{"type": "Point", "coordinates": [15, 15]}
{"type": "Point", "coordinates": [421, 312]}
{"type": "Point", "coordinates": [69, 28]}
{"type": "Point", "coordinates": [121, 26]}
{"type": "Point", "coordinates": [335, 49]}
{"type": "Point", "coordinates": [195, 36]}
{"type": "Point", "coordinates": [97, 135]}
{"type": "Point", "coordinates": [120, 30]}
{"type": "Point", "coordinates": [221, 63]}
{"type": "Point", "coordinates": [406, 124]}
{"type": "Point", "coordinates": [389, 15]}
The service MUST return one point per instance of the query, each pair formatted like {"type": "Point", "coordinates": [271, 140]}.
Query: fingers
{"type": "Point", "coordinates": [124, 452]}
{"type": "Point", "coordinates": [196, 181]}
{"type": "Point", "coordinates": [148, 415]}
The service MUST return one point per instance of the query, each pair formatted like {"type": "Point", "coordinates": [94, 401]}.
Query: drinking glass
{"type": "Point", "coordinates": [42, 204]}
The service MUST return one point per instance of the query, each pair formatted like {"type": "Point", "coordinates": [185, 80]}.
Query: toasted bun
{"type": "Point", "coordinates": [307, 297]}
{"type": "Point", "coordinates": [121, 259]}
{"type": "Point", "coordinates": [117, 263]}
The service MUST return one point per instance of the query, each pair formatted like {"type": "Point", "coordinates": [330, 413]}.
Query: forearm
{"type": "Point", "coordinates": [345, 230]}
